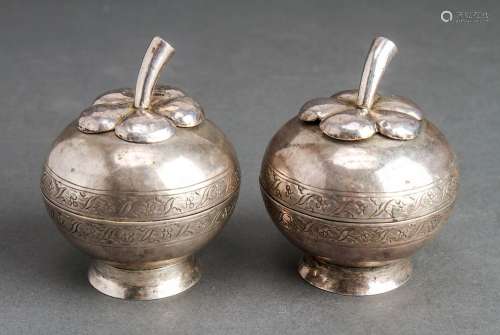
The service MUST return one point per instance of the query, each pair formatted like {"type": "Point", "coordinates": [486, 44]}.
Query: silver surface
{"type": "Point", "coordinates": [355, 202]}
{"type": "Point", "coordinates": [124, 167]}
{"type": "Point", "coordinates": [143, 207]}
{"type": "Point", "coordinates": [380, 55]}
{"type": "Point", "coordinates": [301, 153]}
{"type": "Point", "coordinates": [183, 111]}
{"type": "Point", "coordinates": [355, 281]}
{"type": "Point", "coordinates": [362, 204]}
{"type": "Point", "coordinates": [151, 113]}
{"type": "Point", "coordinates": [136, 208]}
{"type": "Point", "coordinates": [156, 58]}
{"type": "Point", "coordinates": [159, 282]}
{"type": "Point", "coordinates": [257, 68]}
{"type": "Point", "coordinates": [101, 118]}
{"type": "Point", "coordinates": [145, 127]}
{"type": "Point", "coordinates": [355, 115]}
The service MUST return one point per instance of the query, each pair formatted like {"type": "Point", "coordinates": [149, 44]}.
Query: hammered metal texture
{"type": "Point", "coordinates": [148, 115]}
{"type": "Point", "coordinates": [363, 191]}
{"type": "Point", "coordinates": [141, 206]}
{"type": "Point", "coordinates": [355, 115]}
{"type": "Point", "coordinates": [138, 206]}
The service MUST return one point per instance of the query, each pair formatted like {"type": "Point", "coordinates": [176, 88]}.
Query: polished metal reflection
{"type": "Point", "coordinates": [381, 53]}
{"type": "Point", "coordinates": [355, 280]}
{"type": "Point", "coordinates": [149, 115]}
{"type": "Point", "coordinates": [141, 210]}
{"type": "Point", "coordinates": [156, 57]}
{"type": "Point", "coordinates": [359, 203]}
{"type": "Point", "coordinates": [355, 115]}
{"type": "Point", "coordinates": [168, 280]}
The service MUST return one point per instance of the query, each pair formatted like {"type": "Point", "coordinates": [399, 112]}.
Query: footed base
{"type": "Point", "coordinates": [354, 281]}
{"type": "Point", "coordinates": [144, 284]}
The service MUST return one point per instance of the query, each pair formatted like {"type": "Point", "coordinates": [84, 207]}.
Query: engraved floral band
{"type": "Point", "coordinates": [379, 207]}
{"type": "Point", "coordinates": [138, 206]}
{"type": "Point", "coordinates": [140, 234]}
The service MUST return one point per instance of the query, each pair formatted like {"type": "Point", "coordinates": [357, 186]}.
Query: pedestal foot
{"type": "Point", "coordinates": [354, 281]}
{"type": "Point", "coordinates": [144, 284]}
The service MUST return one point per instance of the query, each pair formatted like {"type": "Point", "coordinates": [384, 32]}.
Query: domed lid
{"type": "Point", "coordinates": [372, 158]}
{"type": "Point", "coordinates": [163, 160]}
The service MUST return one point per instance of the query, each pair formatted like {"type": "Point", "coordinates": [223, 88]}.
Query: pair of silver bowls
{"type": "Point", "coordinates": [141, 182]}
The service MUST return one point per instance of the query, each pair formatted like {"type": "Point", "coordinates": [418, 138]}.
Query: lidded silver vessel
{"type": "Point", "coordinates": [359, 182]}
{"type": "Point", "coordinates": [140, 182]}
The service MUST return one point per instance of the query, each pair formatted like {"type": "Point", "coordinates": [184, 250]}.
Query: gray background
{"type": "Point", "coordinates": [251, 65]}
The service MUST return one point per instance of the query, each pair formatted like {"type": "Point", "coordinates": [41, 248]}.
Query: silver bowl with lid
{"type": "Point", "coordinates": [140, 182]}
{"type": "Point", "coordinates": [359, 182]}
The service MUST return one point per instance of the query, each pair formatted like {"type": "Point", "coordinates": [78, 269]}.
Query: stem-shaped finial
{"type": "Point", "coordinates": [157, 56]}
{"type": "Point", "coordinates": [381, 52]}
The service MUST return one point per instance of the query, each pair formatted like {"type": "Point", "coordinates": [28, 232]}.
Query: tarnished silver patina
{"type": "Point", "coordinates": [359, 182]}
{"type": "Point", "coordinates": [140, 182]}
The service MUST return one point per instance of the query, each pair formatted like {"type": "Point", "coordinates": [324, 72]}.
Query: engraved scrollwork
{"type": "Point", "coordinates": [137, 206]}
{"type": "Point", "coordinates": [141, 234]}
{"type": "Point", "coordinates": [355, 235]}
{"type": "Point", "coordinates": [363, 207]}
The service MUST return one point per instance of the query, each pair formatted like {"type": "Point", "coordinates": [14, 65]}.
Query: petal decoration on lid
{"type": "Point", "coordinates": [103, 117]}
{"type": "Point", "coordinates": [353, 115]}
{"type": "Point", "coordinates": [145, 128]}
{"type": "Point", "coordinates": [394, 117]}
{"type": "Point", "coordinates": [396, 125]}
{"type": "Point", "coordinates": [113, 107]}
{"type": "Point", "coordinates": [166, 92]}
{"type": "Point", "coordinates": [321, 108]}
{"type": "Point", "coordinates": [351, 125]}
{"type": "Point", "coordinates": [183, 111]}
{"type": "Point", "coordinates": [347, 97]}
{"type": "Point", "coordinates": [151, 112]}
{"type": "Point", "coordinates": [117, 96]}
{"type": "Point", "coordinates": [400, 105]}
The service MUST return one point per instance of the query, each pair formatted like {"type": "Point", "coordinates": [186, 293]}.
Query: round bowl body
{"type": "Point", "coordinates": [358, 204]}
{"type": "Point", "coordinates": [141, 206]}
